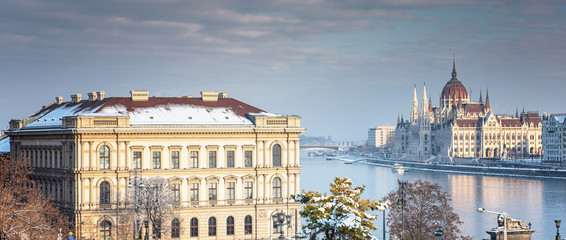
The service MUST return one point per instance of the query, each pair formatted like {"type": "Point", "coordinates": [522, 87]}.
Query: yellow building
{"type": "Point", "coordinates": [230, 165]}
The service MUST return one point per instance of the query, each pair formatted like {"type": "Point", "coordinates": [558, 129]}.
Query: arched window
{"type": "Point", "coordinates": [175, 228]}
{"type": "Point", "coordinates": [194, 227]}
{"type": "Point", "coordinates": [157, 228]}
{"type": "Point", "coordinates": [104, 193]}
{"type": "Point", "coordinates": [230, 225]}
{"type": "Point", "coordinates": [248, 225]}
{"type": "Point", "coordinates": [104, 157]}
{"type": "Point", "coordinates": [276, 155]}
{"type": "Point", "coordinates": [277, 187]}
{"type": "Point", "coordinates": [212, 226]}
{"type": "Point", "coordinates": [105, 230]}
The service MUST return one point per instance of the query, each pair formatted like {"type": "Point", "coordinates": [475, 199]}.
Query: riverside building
{"type": "Point", "coordinates": [230, 165]}
{"type": "Point", "coordinates": [381, 136]}
{"type": "Point", "coordinates": [459, 127]}
{"type": "Point", "coordinates": [554, 138]}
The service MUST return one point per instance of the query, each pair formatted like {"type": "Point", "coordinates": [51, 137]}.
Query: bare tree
{"type": "Point", "coordinates": [418, 209]}
{"type": "Point", "coordinates": [24, 212]}
{"type": "Point", "coordinates": [151, 200]}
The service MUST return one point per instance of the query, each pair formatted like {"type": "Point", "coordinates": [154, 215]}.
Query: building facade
{"type": "Point", "coordinates": [554, 138]}
{"type": "Point", "coordinates": [381, 136]}
{"type": "Point", "coordinates": [458, 127]}
{"type": "Point", "coordinates": [230, 165]}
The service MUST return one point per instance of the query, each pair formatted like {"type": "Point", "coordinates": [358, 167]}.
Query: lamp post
{"type": "Point", "coordinates": [500, 214]}
{"type": "Point", "coordinates": [439, 233]}
{"type": "Point", "coordinates": [557, 223]}
{"type": "Point", "coordinates": [281, 219]}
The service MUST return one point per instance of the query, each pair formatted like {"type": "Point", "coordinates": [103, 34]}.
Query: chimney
{"type": "Point", "coordinates": [76, 98]}
{"type": "Point", "coordinates": [139, 95]}
{"type": "Point", "coordinates": [209, 96]}
{"type": "Point", "coordinates": [92, 96]}
{"type": "Point", "coordinates": [223, 95]}
{"type": "Point", "coordinates": [59, 100]}
{"type": "Point", "coordinates": [100, 95]}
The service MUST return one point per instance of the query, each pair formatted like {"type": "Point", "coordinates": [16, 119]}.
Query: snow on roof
{"type": "Point", "coordinates": [155, 111]}
{"type": "Point", "coordinates": [5, 145]}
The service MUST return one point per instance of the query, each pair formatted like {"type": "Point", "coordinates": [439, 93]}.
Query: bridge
{"type": "Point", "coordinates": [337, 148]}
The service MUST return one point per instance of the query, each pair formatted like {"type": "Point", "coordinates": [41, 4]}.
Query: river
{"type": "Point", "coordinates": [536, 200]}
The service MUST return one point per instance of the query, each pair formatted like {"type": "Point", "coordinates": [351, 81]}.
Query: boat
{"type": "Point", "coordinates": [399, 168]}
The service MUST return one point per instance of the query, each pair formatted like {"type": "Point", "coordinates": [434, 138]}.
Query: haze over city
{"type": "Point", "coordinates": [342, 66]}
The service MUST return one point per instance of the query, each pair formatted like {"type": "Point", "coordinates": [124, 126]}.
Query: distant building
{"type": "Point", "coordinates": [230, 165]}
{"type": "Point", "coordinates": [381, 136]}
{"type": "Point", "coordinates": [461, 128]}
{"type": "Point", "coordinates": [554, 137]}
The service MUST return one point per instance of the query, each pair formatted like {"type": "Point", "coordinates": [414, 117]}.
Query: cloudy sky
{"type": "Point", "coordinates": [343, 66]}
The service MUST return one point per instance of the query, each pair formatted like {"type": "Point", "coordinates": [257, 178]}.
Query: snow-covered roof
{"type": "Point", "coordinates": [559, 118]}
{"type": "Point", "coordinates": [154, 111]}
{"type": "Point", "coordinates": [5, 145]}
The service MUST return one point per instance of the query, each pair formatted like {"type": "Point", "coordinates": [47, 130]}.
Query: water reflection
{"type": "Point", "coordinates": [538, 201]}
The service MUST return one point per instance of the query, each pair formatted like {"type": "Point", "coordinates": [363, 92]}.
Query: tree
{"type": "Point", "coordinates": [151, 199]}
{"type": "Point", "coordinates": [342, 215]}
{"type": "Point", "coordinates": [419, 209]}
{"type": "Point", "coordinates": [24, 212]}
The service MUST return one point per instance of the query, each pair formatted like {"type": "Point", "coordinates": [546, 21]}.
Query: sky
{"type": "Point", "coordinates": [342, 66]}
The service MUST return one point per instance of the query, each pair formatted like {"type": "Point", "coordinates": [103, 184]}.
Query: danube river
{"type": "Point", "coordinates": [536, 200]}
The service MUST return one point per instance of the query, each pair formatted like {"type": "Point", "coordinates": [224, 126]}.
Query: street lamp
{"type": "Point", "coordinates": [439, 234]}
{"type": "Point", "coordinates": [500, 215]}
{"type": "Point", "coordinates": [557, 223]}
{"type": "Point", "coordinates": [281, 219]}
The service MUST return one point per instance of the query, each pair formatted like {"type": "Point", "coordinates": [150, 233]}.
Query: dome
{"type": "Point", "coordinates": [454, 89]}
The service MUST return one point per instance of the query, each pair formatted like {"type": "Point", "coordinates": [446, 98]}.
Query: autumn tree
{"type": "Point", "coordinates": [418, 209]}
{"type": "Point", "coordinates": [24, 212]}
{"type": "Point", "coordinates": [343, 214]}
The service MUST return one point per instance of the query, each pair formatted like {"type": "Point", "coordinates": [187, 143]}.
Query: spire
{"type": "Point", "coordinates": [398, 119]}
{"type": "Point", "coordinates": [430, 103]}
{"type": "Point", "coordinates": [424, 105]}
{"type": "Point", "coordinates": [415, 107]}
{"type": "Point", "coordinates": [480, 97]}
{"type": "Point", "coordinates": [402, 120]}
{"type": "Point", "coordinates": [487, 99]}
{"type": "Point", "coordinates": [454, 75]}
{"type": "Point", "coordinates": [516, 112]}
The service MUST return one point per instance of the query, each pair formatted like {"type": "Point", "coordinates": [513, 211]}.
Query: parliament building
{"type": "Point", "coordinates": [461, 128]}
{"type": "Point", "coordinates": [230, 166]}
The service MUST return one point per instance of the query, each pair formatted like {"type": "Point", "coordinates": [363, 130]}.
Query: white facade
{"type": "Point", "coordinates": [554, 138]}
{"type": "Point", "coordinates": [381, 136]}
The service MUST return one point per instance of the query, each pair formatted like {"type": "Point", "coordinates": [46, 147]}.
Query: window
{"type": "Point", "coordinates": [137, 160]}
{"type": "Point", "coordinates": [248, 190]}
{"type": "Point", "coordinates": [248, 225]}
{"type": "Point", "coordinates": [194, 227]}
{"type": "Point", "coordinates": [104, 193]}
{"type": "Point", "coordinates": [277, 187]}
{"type": "Point", "coordinates": [156, 160]}
{"type": "Point", "coordinates": [175, 159]}
{"type": "Point", "coordinates": [276, 155]}
{"type": "Point", "coordinates": [105, 230]}
{"type": "Point", "coordinates": [194, 191]}
{"type": "Point", "coordinates": [194, 159]}
{"type": "Point", "coordinates": [212, 226]}
{"type": "Point", "coordinates": [104, 157]}
{"type": "Point", "coordinates": [175, 228]}
{"type": "Point", "coordinates": [248, 158]}
{"type": "Point", "coordinates": [212, 159]}
{"type": "Point", "coordinates": [230, 159]}
{"type": "Point", "coordinates": [175, 188]}
{"type": "Point", "coordinates": [212, 191]}
{"type": "Point", "coordinates": [230, 225]}
{"type": "Point", "coordinates": [230, 190]}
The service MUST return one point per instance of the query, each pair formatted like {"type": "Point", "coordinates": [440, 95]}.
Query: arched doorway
{"type": "Point", "coordinates": [488, 153]}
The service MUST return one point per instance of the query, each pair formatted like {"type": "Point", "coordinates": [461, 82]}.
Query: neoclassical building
{"type": "Point", "coordinates": [458, 127]}
{"type": "Point", "coordinates": [230, 165]}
